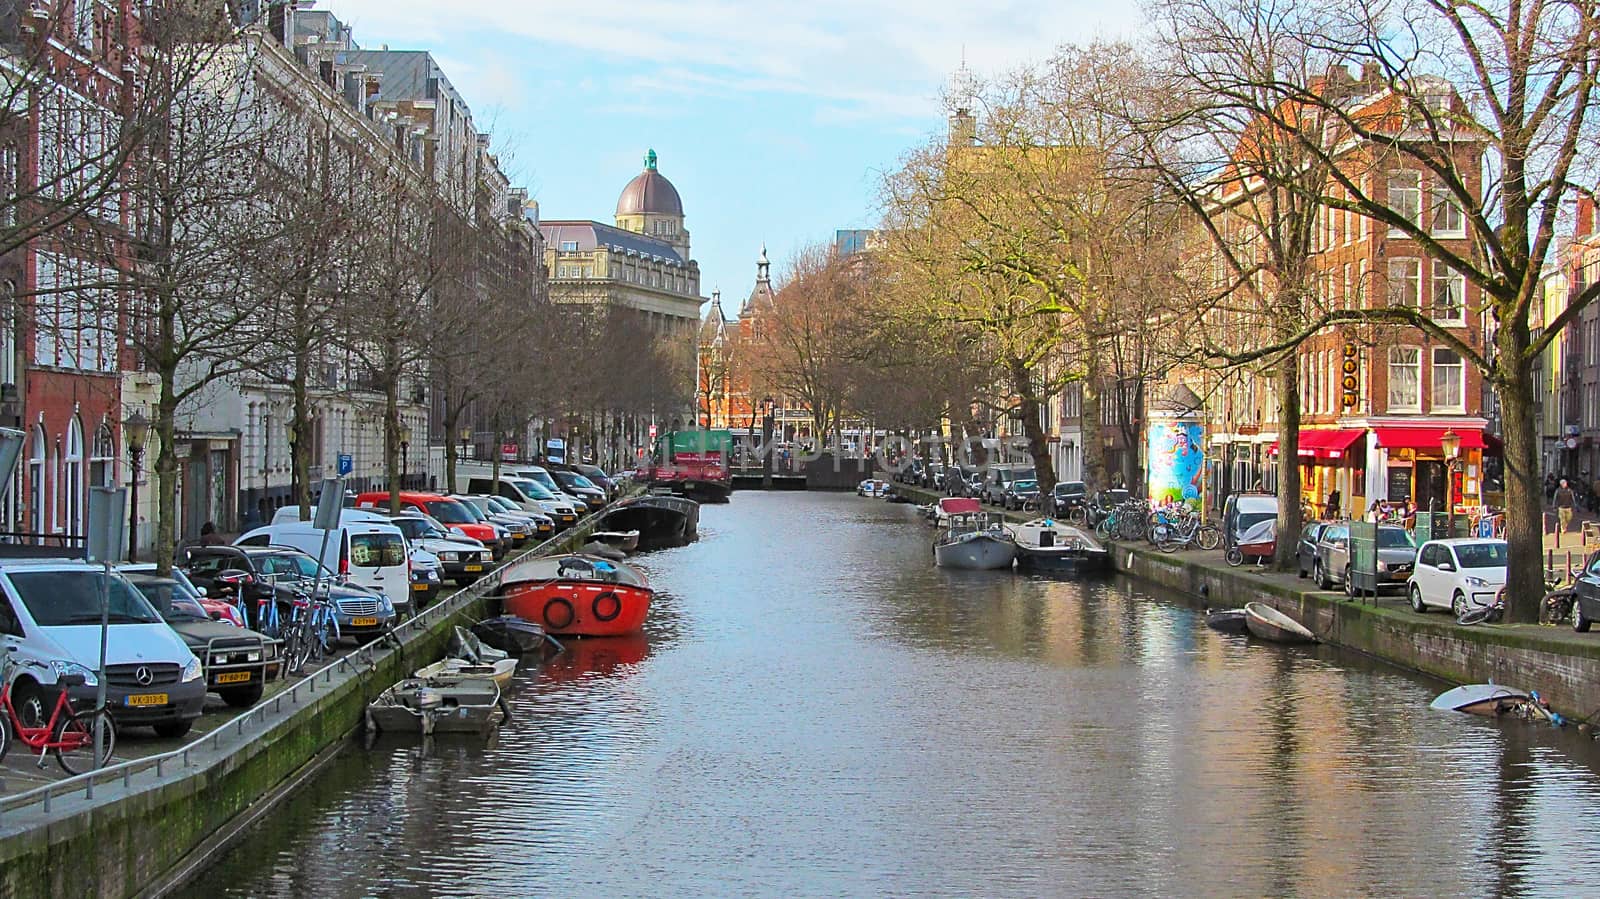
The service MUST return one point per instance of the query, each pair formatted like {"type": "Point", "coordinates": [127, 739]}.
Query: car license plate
{"type": "Point", "coordinates": [363, 622]}
{"type": "Point", "coordinates": [234, 677]}
{"type": "Point", "coordinates": [472, 568]}
{"type": "Point", "coordinates": [569, 518]}
{"type": "Point", "coordinates": [141, 700]}
{"type": "Point", "coordinates": [419, 586]}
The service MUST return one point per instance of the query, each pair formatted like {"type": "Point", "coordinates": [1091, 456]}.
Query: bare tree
{"type": "Point", "coordinates": [1494, 105]}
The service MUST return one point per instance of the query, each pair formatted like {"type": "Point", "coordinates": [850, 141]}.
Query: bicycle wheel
{"type": "Point", "coordinates": [74, 740]}
{"type": "Point", "coordinates": [1235, 557]}
{"type": "Point", "coordinates": [1208, 537]}
{"type": "Point", "coordinates": [1076, 515]}
{"type": "Point", "coordinates": [296, 650]}
{"type": "Point", "coordinates": [1170, 544]}
{"type": "Point", "coordinates": [5, 734]}
{"type": "Point", "coordinates": [1473, 616]}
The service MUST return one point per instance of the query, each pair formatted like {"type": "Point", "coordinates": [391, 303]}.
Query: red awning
{"type": "Point", "coordinates": [1426, 438]}
{"type": "Point", "coordinates": [1325, 443]}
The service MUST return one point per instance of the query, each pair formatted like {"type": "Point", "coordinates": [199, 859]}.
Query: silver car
{"type": "Point", "coordinates": [1397, 557]}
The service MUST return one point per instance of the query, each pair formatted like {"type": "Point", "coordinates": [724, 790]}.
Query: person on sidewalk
{"type": "Point", "coordinates": [1564, 500]}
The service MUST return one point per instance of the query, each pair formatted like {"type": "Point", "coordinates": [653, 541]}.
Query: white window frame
{"type": "Point", "coordinates": [1413, 367]}
{"type": "Point", "coordinates": [1444, 205]}
{"type": "Point", "coordinates": [1411, 295]}
{"type": "Point", "coordinates": [1459, 378]}
{"type": "Point", "coordinates": [1405, 198]}
{"type": "Point", "coordinates": [1453, 286]}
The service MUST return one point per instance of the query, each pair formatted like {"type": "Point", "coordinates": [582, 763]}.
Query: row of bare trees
{"type": "Point", "coordinates": [1113, 212]}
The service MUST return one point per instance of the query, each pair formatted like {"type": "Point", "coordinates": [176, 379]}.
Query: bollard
{"type": "Point", "coordinates": [47, 793]}
{"type": "Point", "coordinates": [127, 777]}
{"type": "Point", "coordinates": [88, 786]}
{"type": "Point", "coordinates": [160, 761]}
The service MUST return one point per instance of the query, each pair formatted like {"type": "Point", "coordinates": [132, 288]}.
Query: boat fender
{"type": "Point", "coordinates": [558, 613]}
{"type": "Point", "coordinates": [613, 606]}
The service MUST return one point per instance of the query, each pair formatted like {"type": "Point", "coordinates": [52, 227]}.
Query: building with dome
{"type": "Point", "coordinates": [641, 262]}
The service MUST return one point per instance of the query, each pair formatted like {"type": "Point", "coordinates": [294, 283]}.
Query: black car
{"type": "Point", "coordinates": [598, 477]}
{"type": "Point", "coordinates": [238, 662]}
{"type": "Point", "coordinates": [1022, 493]}
{"type": "Point", "coordinates": [1069, 495]}
{"type": "Point", "coordinates": [1586, 590]}
{"type": "Point", "coordinates": [577, 485]}
{"type": "Point", "coordinates": [1306, 550]}
{"type": "Point", "coordinates": [282, 572]}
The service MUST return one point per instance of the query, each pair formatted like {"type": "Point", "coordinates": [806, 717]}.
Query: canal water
{"type": "Point", "coordinates": [817, 710]}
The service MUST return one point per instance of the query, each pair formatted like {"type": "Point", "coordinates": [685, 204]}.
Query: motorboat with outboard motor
{"type": "Point", "coordinates": [1045, 544]}
{"type": "Point", "coordinates": [414, 705]}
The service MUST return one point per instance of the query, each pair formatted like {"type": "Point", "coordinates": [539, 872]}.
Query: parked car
{"type": "Point", "coordinates": [542, 524]}
{"type": "Point", "coordinates": [516, 531]}
{"type": "Point", "coordinates": [574, 484]}
{"type": "Point", "coordinates": [238, 662]}
{"type": "Point", "coordinates": [462, 559]}
{"type": "Point", "coordinates": [216, 609]}
{"type": "Point", "coordinates": [542, 477]}
{"type": "Point", "coordinates": [531, 496]}
{"type": "Point", "coordinates": [50, 612]}
{"type": "Point", "coordinates": [1586, 592]}
{"type": "Point", "coordinates": [598, 477]}
{"type": "Point", "coordinates": [1021, 493]}
{"type": "Point", "coordinates": [998, 478]}
{"type": "Point", "coordinates": [1458, 574]}
{"type": "Point", "coordinates": [1397, 556]}
{"type": "Point", "coordinates": [283, 571]}
{"type": "Point", "coordinates": [427, 571]}
{"type": "Point", "coordinates": [1306, 549]}
{"type": "Point", "coordinates": [933, 475]}
{"type": "Point", "coordinates": [455, 516]}
{"type": "Point", "coordinates": [367, 550]}
{"type": "Point", "coordinates": [1069, 495]}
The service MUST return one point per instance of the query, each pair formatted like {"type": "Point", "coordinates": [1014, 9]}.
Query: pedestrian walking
{"type": "Point", "coordinates": [1549, 487]}
{"type": "Point", "coordinates": [209, 535]}
{"type": "Point", "coordinates": [1565, 500]}
{"type": "Point", "coordinates": [1332, 509]}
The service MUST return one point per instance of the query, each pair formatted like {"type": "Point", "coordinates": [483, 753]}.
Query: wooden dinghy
{"type": "Point", "coordinates": [1267, 623]}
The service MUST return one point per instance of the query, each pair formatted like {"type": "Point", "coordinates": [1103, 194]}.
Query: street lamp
{"type": "Point", "coordinates": [135, 430]}
{"type": "Point", "coordinates": [405, 447]}
{"type": "Point", "coordinates": [1450, 443]}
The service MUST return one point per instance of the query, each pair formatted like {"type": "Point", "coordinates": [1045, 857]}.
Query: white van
{"type": "Point", "coordinates": [50, 613]}
{"type": "Point", "coordinates": [374, 554]}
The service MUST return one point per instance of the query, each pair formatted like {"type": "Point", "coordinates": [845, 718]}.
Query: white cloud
{"type": "Point", "coordinates": [864, 58]}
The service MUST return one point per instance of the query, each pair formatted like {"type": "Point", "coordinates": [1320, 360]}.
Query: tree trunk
{"type": "Point", "coordinates": [1038, 445]}
{"type": "Point", "coordinates": [451, 420]}
{"type": "Point", "coordinates": [1524, 511]}
{"type": "Point", "coordinates": [300, 447]}
{"type": "Point", "coordinates": [1289, 517]}
{"type": "Point", "coordinates": [1094, 444]}
{"type": "Point", "coordinates": [391, 438]}
{"type": "Point", "coordinates": [166, 475]}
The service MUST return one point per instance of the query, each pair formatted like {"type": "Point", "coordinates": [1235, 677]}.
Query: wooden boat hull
{"type": "Point", "coordinates": [1229, 621]}
{"type": "Point", "coordinates": [580, 608]}
{"type": "Point", "coordinates": [976, 552]}
{"type": "Point", "coordinates": [1058, 558]}
{"type": "Point", "coordinates": [626, 541]}
{"type": "Point", "coordinates": [1267, 623]}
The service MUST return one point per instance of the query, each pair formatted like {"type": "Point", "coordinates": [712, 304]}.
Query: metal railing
{"type": "Point", "coordinates": [182, 759]}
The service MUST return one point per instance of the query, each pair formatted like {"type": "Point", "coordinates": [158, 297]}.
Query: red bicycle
{"type": "Point", "coordinates": [68, 733]}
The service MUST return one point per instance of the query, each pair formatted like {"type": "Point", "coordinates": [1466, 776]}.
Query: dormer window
{"type": "Point", "coordinates": [569, 246]}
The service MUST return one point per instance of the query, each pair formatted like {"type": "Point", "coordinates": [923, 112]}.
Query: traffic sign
{"type": "Point", "coordinates": [652, 432]}
{"type": "Point", "coordinates": [347, 464]}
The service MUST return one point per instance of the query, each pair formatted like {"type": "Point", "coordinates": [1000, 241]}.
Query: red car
{"type": "Point", "coordinates": [449, 512]}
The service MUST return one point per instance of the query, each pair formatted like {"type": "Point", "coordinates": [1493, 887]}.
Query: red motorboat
{"type": "Point", "coordinates": [577, 595]}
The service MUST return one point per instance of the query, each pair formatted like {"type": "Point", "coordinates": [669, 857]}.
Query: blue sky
{"type": "Point", "coordinates": [774, 120]}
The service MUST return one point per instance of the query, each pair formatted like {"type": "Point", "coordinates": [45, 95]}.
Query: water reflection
{"type": "Point", "coordinates": [818, 710]}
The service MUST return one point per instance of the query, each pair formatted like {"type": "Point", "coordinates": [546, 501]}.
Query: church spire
{"type": "Point", "coordinates": [763, 267]}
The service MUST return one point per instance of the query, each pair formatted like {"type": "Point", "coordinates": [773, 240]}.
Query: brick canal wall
{"type": "Point", "coordinates": [133, 835]}
{"type": "Point", "coordinates": [1562, 666]}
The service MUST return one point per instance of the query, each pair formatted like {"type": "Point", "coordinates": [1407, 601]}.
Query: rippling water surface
{"type": "Point", "coordinates": [817, 710]}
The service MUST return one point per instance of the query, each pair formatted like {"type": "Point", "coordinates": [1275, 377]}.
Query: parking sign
{"type": "Point", "coordinates": [347, 464]}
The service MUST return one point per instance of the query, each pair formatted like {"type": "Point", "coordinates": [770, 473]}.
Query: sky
{"type": "Point", "coordinates": [775, 121]}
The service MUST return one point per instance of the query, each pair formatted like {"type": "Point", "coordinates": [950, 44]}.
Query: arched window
{"type": "Point", "coordinates": [102, 458]}
{"type": "Point", "coordinates": [72, 479]}
{"type": "Point", "coordinates": [36, 484]}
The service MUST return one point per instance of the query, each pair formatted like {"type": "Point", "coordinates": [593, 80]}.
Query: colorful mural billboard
{"type": "Point", "coordinates": [1177, 462]}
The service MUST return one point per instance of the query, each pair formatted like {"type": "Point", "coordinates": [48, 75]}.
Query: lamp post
{"type": "Point", "coordinates": [405, 451]}
{"type": "Point", "coordinates": [1450, 443]}
{"type": "Point", "coordinates": [135, 430]}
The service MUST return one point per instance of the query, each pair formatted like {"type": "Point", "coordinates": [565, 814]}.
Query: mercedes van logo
{"type": "Point", "coordinates": [144, 676]}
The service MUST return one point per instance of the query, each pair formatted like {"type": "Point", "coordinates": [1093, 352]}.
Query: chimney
{"type": "Point", "coordinates": [1372, 74]}
{"type": "Point", "coordinates": [1584, 226]}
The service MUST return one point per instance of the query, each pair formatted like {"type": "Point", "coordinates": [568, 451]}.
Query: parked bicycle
{"type": "Point", "coordinates": [67, 733]}
{"type": "Point", "coordinates": [311, 633]}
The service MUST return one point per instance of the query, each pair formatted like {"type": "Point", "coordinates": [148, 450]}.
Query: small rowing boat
{"type": "Point", "coordinates": [1266, 623]}
{"type": "Point", "coordinates": [1229, 621]}
{"type": "Point", "coordinates": [418, 706]}
{"type": "Point", "coordinates": [1490, 700]}
{"type": "Point", "coordinates": [451, 671]}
